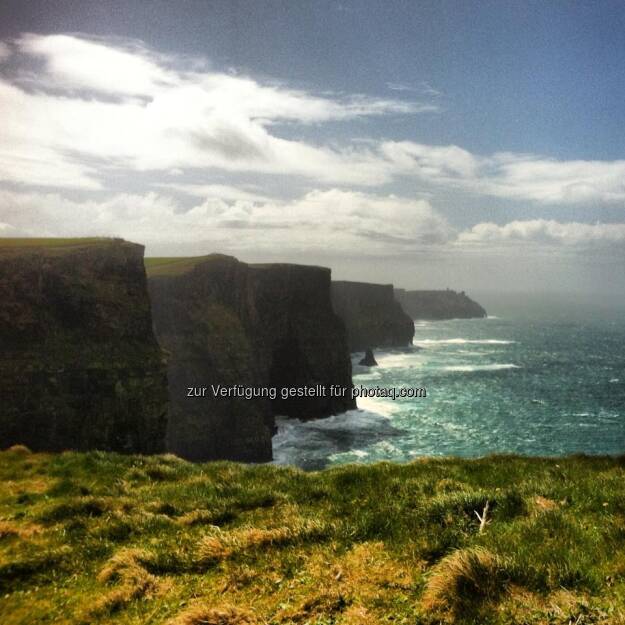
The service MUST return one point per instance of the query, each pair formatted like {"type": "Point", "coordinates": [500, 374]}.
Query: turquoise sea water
{"type": "Point", "coordinates": [535, 385]}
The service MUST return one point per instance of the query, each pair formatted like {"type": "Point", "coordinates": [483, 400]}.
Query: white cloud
{"type": "Point", "coordinates": [91, 64]}
{"type": "Point", "coordinates": [346, 222]}
{"type": "Point", "coordinates": [425, 88]}
{"type": "Point", "coordinates": [120, 106]}
{"type": "Point", "coordinates": [543, 231]}
{"type": "Point", "coordinates": [219, 191]}
{"type": "Point", "coordinates": [334, 221]}
{"type": "Point", "coordinates": [92, 109]}
{"type": "Point", "coordinates": [447, 162]}
{"type": "Point", "coordinates": [508, 175]}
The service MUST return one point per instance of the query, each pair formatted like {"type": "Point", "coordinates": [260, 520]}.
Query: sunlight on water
{"type": "Point", "coordinates": [537, 387]}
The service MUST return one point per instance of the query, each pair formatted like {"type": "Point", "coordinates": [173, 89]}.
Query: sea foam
{"type": "Point", "coordinates": [470, 368]}
{"type": "Point", "coordinates": [463, 342]}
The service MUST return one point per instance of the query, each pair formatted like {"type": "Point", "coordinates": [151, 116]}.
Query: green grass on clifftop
{"type": "Point", "coordinates": [8, 243]}
{"type": "Point", "coordinates": [105, 538]}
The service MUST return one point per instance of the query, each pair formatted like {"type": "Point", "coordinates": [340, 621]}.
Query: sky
{"type": "Point", "coordinates": [476, 146]}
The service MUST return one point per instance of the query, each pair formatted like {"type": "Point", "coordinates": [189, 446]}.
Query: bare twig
{"type": "Point", "coordinates": [483, 518]}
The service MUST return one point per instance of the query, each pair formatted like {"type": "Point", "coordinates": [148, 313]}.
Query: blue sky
{"type": "Point", "coordinates": [476, 145]}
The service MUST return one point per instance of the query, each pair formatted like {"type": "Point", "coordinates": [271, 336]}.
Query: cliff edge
{"type": "Point", "coordinates": [439, 305]}
{"type": "Point", "coordinates": [80, 367]}
{"type": "Point", "coordinates": [228, 323]}
{"type": "Point", "coordinates": [372, 315]}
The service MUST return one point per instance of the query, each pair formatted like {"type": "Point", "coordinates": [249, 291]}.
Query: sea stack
{"type": "Point", "coordinates": [438, 305]}
{"type": "Point", "coordinates": [224, 322]}
{"type": "Point", "coordinates": [80, 367]}
{"type": "Point", "coordinates": [368, 360]}
{"type": "Point", "coordinates": [372, 316]}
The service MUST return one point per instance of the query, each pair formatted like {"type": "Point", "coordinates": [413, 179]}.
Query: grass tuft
{"type": "Point", "coordinates": [465, 580]}
{"type": "Point", "coordinates": [203, 615]}
{"type": "Point", "coordinates": [127, 568]}
{"type": "Point", "coordinates": [19, 450]}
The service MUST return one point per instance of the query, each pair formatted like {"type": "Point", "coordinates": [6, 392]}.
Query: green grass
{"type": "Point", "coordinates": [24, 242]}
{"type": "Point", "coordinates": [106, 538]}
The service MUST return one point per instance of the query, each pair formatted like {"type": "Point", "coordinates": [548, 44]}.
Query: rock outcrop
{"type": "Point", "coordinates": [80, 367]}
{"type": "Point", "coordinates": [368, 360]}
{"type": "Point", "coordinates": [434, 305]}
{"type": "Point", "coordinates": [372, 316]}
{"type": "Point", "coordinates": [228, 323]}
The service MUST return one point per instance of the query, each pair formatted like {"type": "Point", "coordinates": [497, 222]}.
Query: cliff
{"type": "Point", "coordinates": [372, 316]}
{"type": "Point", "coordinates": [229, 323]}
{"type": "Point", "coordinates": [79, 366]}
{"type": "Point", "coordinates": [446, 304]}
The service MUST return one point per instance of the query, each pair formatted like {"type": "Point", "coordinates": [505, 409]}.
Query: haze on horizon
{"type": "Point", "coordinates": [476, 146]}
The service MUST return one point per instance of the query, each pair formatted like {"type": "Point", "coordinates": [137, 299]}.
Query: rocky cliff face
{"type": "Point", "coordinates": [79, 365]}
{"type": "Point", "coordinates": [228, 323]}
{"type": "Point", "coordinates": [438, 304]}
{"type": "Point", "coordinates": [372, 316]}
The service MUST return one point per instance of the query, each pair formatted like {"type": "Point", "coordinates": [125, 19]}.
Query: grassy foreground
{"type": "Point", "coordinates": [105, 538]}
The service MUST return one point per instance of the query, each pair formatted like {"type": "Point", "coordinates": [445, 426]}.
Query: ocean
{"type": "Point", "coordinates": [539, 381]}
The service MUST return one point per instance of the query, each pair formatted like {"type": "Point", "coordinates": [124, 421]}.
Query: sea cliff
{"type": "Point", "coordinates": [372, 315]}
{"type": "Point", "coordinates": [79, 366]}
{"type": "Point", "coordinates": [434, 305]}
{"type": "Point", "coordinates": [225, 322]}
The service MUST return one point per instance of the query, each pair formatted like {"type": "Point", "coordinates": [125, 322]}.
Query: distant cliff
{"type": "Point", "coordinates": [229, 323]}
{"type": "Point", "coordinates": [446, 304]}
{"type": "Point", "coordinates": [372, 315]}
{"type": "Point", "coordinates": [79, 364]}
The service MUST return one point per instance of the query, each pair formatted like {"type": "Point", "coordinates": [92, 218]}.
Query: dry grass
{"type": "Point", "coordinates": [354, 585]}
{"type": "Point", "coordinates": [464, 580]}
{"type": "Point", "coordinates": [204, 615]}
{"type": "Point", "coordinates": [197, 517]}
{"type": "Point", "coordinates": [19, 449]}
{"type": "Point", "coordinates": [123, 563]}
{"type": "Point", "coordinates": [10, 529]}
{"type": "Point", "coordinates": [212, 549]}
{"type": "Point", "coordinates": [357, 615]}
{"type": "Point", "coordinates": [543, 504]}
{"type": "Point", "coordinates": [126, 569]}
{"type": "Point", "coordinates": [223, 545]}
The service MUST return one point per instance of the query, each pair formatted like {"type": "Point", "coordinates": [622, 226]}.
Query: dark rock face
{"type": "Point", "coordinates": [79, 366]}
{"type": "Point", "coordinates": [369, 359]}
{"type": "Point", "coordinates": [372, 316]}
{"type": "Point", "coordinates": [438, 304]}
{"type": "Point", "coordinates": [228, 323]}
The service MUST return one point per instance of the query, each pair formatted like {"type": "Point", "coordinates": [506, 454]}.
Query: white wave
{"type": "Point", "coordinates": [310, 444]}
{"type": "Point", "coordinates": [366, 373]}
{"type": "Point", "coordinates": [353, 455]}
{"type": "Point", "coordinates": [386, 448]}
{"type": "Point", "coordinates": [493, 317]}
{"type": "Point", "coordinates": [377, 406]}
{"type": "Point", "coordinates": [399, 361]}
{"type": "Point", "coordinates": [614, 380]}
{"type": "Point", "coordinates": [469, 368]}
{"type": "Point", "coordinates": [468, 352]}
{"type": "Point", "coordinates": [463, 342]}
